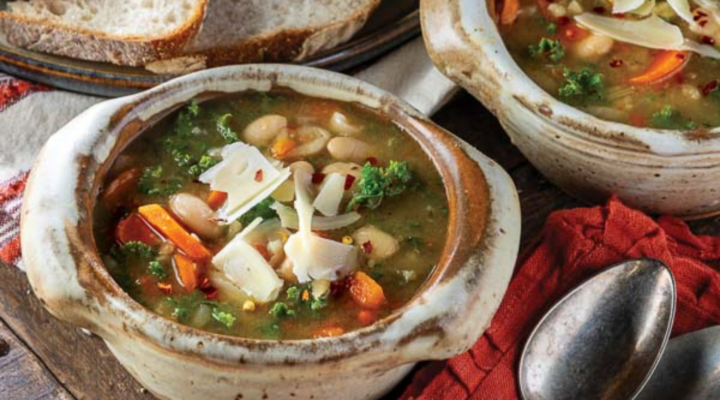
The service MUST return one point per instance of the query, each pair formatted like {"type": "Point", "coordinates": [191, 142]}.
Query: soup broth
{"type": "Point", "coordinates": [577, 51]}
{"type": "Point", "coordinates": [173, 240]}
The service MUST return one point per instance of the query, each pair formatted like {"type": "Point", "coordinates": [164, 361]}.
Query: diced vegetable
{"type": "Point", "coordinates": [121, 187]}
{"type": "Point", "coordinates": [186, 271]}
{"type": "Point", "coordinates": [283, 147]}
{"type": "Point", "coordinates": [159, 218]}
{"type": "Point", "coordinates": [509, 11]}
{"type": "Point", "coordinates": [581, 86]}
{"type": "Point", "coordinates": [553, 49]}
{"type": "Point", "coordinates": [216, 199]}
{"type": "Point", "coordinates": [134, 229]}
{"type": "Point", "coordinates": [377, 183]}
{"type": "Point", "coordinates": [665, 65]}
{"type": "Point", "coordinates": [365, 291]}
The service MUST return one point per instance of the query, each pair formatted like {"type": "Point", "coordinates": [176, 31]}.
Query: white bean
{"type": "Point", "coordinates": [593, 47]}
{"type": "Point", "coordinates": [382, 245]}
{"type": "Point", "coordinates": [348, 149]}
{"type": "Point", "coordinates": [264, 129]}
{"type": "Point", "coordinates": [344, 168]}
{"type": "Point", "coordinates": [340, 124]}
{"type": "Point", "coordinates": [196, 214]}
{"type": "Point", "coordinates": [313, 139]}
{"type": "Point", "coordinates": [303, 165]}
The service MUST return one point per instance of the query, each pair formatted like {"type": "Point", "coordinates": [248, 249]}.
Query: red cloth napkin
{"type": "Point", "coordinates": [573, 246]}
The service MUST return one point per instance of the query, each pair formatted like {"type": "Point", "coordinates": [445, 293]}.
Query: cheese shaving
{"type": "Point", "coordinates": [246, 176]}
{"type": "Point", "coordinates": [331, 194]}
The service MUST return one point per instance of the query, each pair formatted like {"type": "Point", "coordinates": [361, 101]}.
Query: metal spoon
{"type": "Point", "coordinates": [604, 339]}
{"type": "Point", "coordinates": [689, 369]}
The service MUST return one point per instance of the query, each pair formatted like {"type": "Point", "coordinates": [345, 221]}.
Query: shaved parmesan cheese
{"type": "Point", "coordinates": [289, 219]}
{"type": "Point", "coordinates": [247, 269]}
{"type": "Point", "coordinates": [682, 9]}
{"type": "Point", "coordinates": [331, 194]}
{"type": "Point", "coordinates": [314, 257]}
{"type": "Point", "coordinates": [246, 176]}
{"type": "Point", "coordinates": [645, 9]}
{"type": "Point", "coordinates": [624, 6]}
{"type": "Point", "coordinates": [652, 32]}
{"type": "Point", "coordinates": [702, 49]}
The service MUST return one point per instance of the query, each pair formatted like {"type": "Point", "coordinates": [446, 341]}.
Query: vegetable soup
{"type": "Point", "coordinates": [645, 63]}
{"type": "Point", "coordinates": [272, 216]}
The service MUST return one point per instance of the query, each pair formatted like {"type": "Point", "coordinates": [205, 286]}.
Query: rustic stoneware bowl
{"type": "Point", "coordinates": [660, 171]}
{"type": "Point", "coordinates": [177, 362]}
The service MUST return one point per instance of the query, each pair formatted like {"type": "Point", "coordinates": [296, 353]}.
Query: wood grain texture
{"type": "Point", "coordinates": [22, 374]}
{"type": "Point", "coordinates": [85, 367]}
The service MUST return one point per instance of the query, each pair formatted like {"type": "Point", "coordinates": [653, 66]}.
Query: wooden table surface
{"type": "Point", "coordinates": [43, 358]}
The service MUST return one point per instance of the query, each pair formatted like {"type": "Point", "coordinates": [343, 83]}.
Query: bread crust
{"type": "Point", "coordinates": [288, 44]}
{"type": "Point", "coordinates": [132, 50]}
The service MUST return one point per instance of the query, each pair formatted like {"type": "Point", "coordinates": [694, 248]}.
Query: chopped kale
{"type": "Point", "coordinates": [551, 28]}
{"type": "Point", "coordinates": [184, 124]}
{"type": "Point", "coordinates": [293, 293]}
{"type": "Point", "coordinates": [583, 85]}
{"type": "Point", "coordinates": [134, 252]}
{"type": "Point", "coordinates": [156, 269]}
{"type": "Point", "coordinates": [668, 118]}
{"type": "Point", "coordinates": [152, 183]}
{"type": "Point", "coordinates": [224, 129]}
{"type": "Point", "coordinates": [261, 210]}
{"type": "Point", "coordinates": [223, 316]}
{"type": "Point", "coordinates": [206, 162]}
{"type": "Point", "coordinates": [280, 309]}
{"type": "Point", "coordinates": [318, 303]}
{"type": "Point", "coordinates": [553, 49]}
{"type": "Point", "coordinates": [377, 183]}
{"type": "Point", "coordinates": [183, 306]}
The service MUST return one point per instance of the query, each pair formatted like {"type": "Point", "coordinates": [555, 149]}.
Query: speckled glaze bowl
{"type": "Point", "coordinates": [659, 171]}
{"type": "Point", "coordinates": [450, 312]}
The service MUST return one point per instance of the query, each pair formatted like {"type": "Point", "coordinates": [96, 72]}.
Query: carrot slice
{"type": "Point", "coordinates": [665, 64]}
{"type": "Point", "coordinates": [328, 331]}
{"type": "Point", "coordinates": [121, 186]}
{"type": "Point", "coordinates": [509, 12]}
{"type": "Point", "coordinates": [365, 291]}
{"type": "Point", "coordinates": [159, 218]}
{"type": "Point", "coordinates": [216, 199]}
{"type": "Point", "coordinates": [134, 229]}
{"type": "Point", "coordinates": [186, 271]}
{"type": "Point", "coordinates": [282, 147]}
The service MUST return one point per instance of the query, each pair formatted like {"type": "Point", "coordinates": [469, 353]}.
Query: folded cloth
{"type": "Point", "coordinates": [573, 246]}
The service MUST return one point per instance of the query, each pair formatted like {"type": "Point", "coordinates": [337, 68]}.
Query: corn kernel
{"type": "Point", "coordinates": [249, 305]}
{"type": "Point", "coordinates": [347, 240]}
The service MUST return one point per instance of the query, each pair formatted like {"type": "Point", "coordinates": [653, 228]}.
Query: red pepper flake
{"type": "Point", "coordinates": [317, 178]}
{"type": "Point", "coordinates": [349, 180]}
{"type": "Point", "coordinates": [599, 9]}
{"type": "Point", "coordinates": [164, 287]}
{"type": "Point", "coordinates": [372, 160]}
{"type": "Point", "coordinates": [710, 87]}
{"type": "Point", "coordinates": [205, 283]}
{"type": "Point", "coordinates": [616, 63]}
{"type": "Point", "coordinates": [259, 175]}
{"type": "Point", "coordinates": [708, 40]}
{"type": "Point", "coordinates": [367, 247]}
{"type": "Point", "coordinates": [211, 294]}
{"type": "Point", "coordinates": [262, 249]}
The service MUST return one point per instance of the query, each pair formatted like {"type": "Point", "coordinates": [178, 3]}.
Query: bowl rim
{"type": "Point", "coordinates": [469, 21]}
{"type": "Point", "coordinates": [165, 333]}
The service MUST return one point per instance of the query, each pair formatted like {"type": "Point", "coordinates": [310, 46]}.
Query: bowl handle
{"type": "Point", "coordinates": [409, 74]}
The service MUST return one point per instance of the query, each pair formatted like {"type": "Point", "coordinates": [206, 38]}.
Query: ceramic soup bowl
{"type": "Point", "coordinates": [659, 171]}
{"type": "Point", "coordinates": [447, 315]}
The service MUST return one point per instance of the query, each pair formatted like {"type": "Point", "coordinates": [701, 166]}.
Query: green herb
{"type": "Point", "coordinates": [583, 85]}
{"type": "Point", "coordinates": [318, 303]}
{"type": "Point", "coordinates": [261, 210]}
{"type": "Point", "coordinates": [551, 28]}
{"type": "Point", "coordinates": [668, 118]}
{"type": "Point", "coordinates": [156, 269]}
{"type": "Point", "coordinates": [134, 252]}
{"type": "Point", "coordinates": [377, 183]}
{"type": "Point", "coordinates": [293, 293]}
{"type": "Point", "coordinates": [224, 129]}
{"type": "Point", "coordinates": [224, 317]}
{"type": "Point", "coordinates": [152, 183]}
{"type": "Point", "coordinates": [553, 49]}
{"type": "Point", "coordinates": [184, 124]}
{"type": "Point", "coordinates": [206, 162]}
{"type": "Point", "coordinates": [415, 242]}
{"type": "Point", "coordinates": [280, 309]}
{"type": "Point", "coordinates": [184, 305]}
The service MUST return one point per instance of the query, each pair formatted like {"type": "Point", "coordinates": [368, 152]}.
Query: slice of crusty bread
{"type": "Point", "coordinates": [124, 32]}
{"type": "Point", "coordinates": [243, 31]}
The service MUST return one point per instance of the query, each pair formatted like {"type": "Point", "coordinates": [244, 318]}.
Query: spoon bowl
{"type": "Point", "coordinates": [604, 339]}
